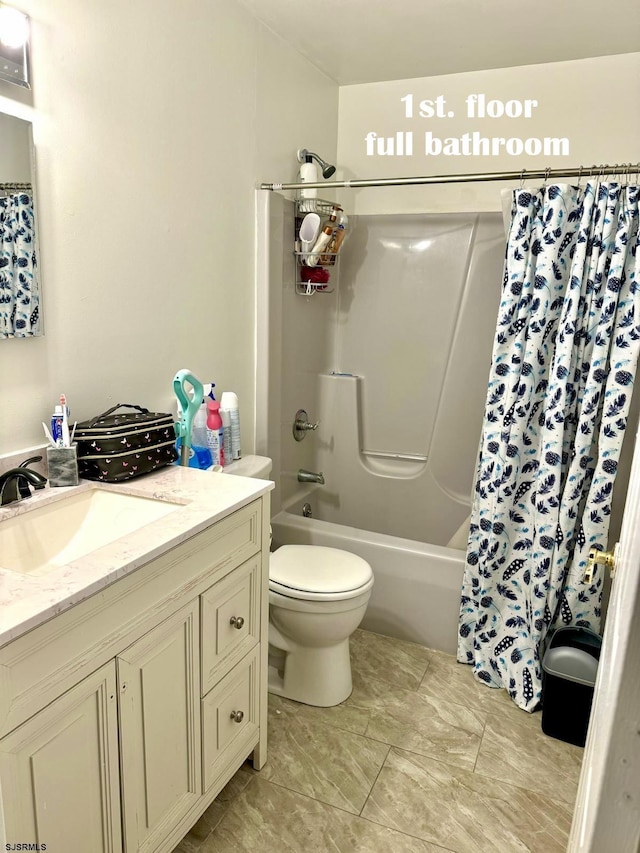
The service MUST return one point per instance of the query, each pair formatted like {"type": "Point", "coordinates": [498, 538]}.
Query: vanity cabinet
{"type": "Point", "coordinates": [123, 717]}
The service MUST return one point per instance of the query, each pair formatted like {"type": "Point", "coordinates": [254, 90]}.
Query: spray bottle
{"type": "Point", "coordinates": [215, 432]}
{"type": "Point", "coordinates": [200, 455]}
{"type": "Point", "coordinates": [230, 414]}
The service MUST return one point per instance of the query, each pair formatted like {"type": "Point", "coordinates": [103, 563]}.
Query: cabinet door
{"type": "Point", "coordinates": [159, 687]}
{"type": "Point", "coordinates": [59, 772]}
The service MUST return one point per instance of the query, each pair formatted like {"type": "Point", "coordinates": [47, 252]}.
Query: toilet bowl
{"type": "Point", "coordinates": [317, 598]}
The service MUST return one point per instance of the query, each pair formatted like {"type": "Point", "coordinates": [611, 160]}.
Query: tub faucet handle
{"type": "Point", "coordinates": [302, 425]}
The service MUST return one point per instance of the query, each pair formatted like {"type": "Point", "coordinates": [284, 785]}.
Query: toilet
{"type": "Point", "coordinates": [317, 598]}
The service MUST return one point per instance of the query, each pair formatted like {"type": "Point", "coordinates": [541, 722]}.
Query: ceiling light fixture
{"type": "Point", "coordinates": [14, 46]}
{"type": "Point", "coordinates": [14, 27]}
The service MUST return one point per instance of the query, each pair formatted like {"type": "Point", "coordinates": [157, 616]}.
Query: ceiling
{"type": "Point", "coordinates": [366, 41]}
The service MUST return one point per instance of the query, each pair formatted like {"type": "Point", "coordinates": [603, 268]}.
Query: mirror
{"type": "Point", "coordinates": [20, 315]}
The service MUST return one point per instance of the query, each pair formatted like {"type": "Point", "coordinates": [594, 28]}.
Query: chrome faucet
{"type": "Point", "coordinates": [305, 476]}
{"type": "Point", "coordinates": [14, 484]}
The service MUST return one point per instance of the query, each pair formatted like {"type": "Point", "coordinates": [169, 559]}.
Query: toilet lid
{"type": "Point", "coordinates": [314, 568]}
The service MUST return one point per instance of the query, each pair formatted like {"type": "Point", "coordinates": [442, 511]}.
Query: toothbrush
{"type": "Point", "coordinates": [66, 442]}
{"type": "Point", "coordinates": [48, 435]}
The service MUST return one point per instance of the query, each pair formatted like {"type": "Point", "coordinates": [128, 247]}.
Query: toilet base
{"type": "Point", "coordinates": [314, 676]}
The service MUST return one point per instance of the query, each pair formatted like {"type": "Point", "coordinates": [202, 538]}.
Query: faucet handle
{"type": "Point", "coordinates": [30, 461]}
{"type": "Point", "coordinates": [301, 425]}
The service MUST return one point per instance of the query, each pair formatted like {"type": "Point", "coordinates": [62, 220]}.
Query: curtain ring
{"type": "Point", "coordinates": [579, 177]}
{"type": "Point", "coordinates": [546, 176]}
{"type": "Point", "coordinates": [522, 174]}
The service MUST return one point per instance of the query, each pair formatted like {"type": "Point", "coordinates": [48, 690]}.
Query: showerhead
{"type": "Point", "coordinates": [327, 168]}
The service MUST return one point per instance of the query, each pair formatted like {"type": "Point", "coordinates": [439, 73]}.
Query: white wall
{"type": "Point", "coordinates": [589, 102]}
{"type": "Point", "coordinates": [153, 123]}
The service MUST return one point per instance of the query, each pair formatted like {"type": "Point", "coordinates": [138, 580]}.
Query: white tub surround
{"type": "Point", "coordinates": [134, 679]}
{"type": "Point", "coordinates": [416, 594]}
{"type": "Point", "coordinates": [393, 365]}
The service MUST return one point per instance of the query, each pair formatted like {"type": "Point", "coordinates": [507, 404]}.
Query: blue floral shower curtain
{"type": "Point", "coordinates": [19, 289]}
{"type": "Point", "coordinates": [560, 384]}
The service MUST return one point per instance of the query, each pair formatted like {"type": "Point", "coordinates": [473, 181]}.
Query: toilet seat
{"type": "Point", "coordinates": [318, 573]}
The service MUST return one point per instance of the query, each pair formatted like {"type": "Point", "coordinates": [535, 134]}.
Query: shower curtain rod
{"type": "Point", "coordinates": [522, 175]}
{"type": "Point", "coordinates": [14, 185]}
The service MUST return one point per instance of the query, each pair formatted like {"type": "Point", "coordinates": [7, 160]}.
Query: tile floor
{"type": "Point", "coordinates": [419, 759]}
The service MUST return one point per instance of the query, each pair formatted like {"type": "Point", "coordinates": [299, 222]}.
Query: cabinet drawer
{"type": "Point", "coordinates": [230, 620]}
{"type": "Point", "coordinates": [230, 717]}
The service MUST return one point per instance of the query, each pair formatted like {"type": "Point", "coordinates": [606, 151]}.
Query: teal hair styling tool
{"type": "Point", "coordinates": [189, 406]}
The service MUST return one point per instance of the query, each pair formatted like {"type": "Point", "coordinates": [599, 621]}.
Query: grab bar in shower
{"type": "Point", "coordinates": [405, 457]}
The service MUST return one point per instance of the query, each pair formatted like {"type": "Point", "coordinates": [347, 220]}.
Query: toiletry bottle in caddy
{"type": "Point", "coordinates": [327, 257]}
{"type": "Point", "coordinates": [339, 233]}
{"type": "Point", "coordinates": [323, 240]}
{"type": "Point", "coordinates": [230, 415]}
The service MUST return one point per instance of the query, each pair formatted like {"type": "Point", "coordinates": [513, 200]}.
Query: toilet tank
{"type": "Point", "coordinates": [250, 466]}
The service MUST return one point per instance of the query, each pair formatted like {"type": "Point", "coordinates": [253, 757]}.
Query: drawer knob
{"type": "Point", "coordinates": [237, 716]}
{"type": "Point", "coordinates": [237, 622]}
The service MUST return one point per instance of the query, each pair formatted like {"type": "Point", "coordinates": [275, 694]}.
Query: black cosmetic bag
{"type": "Point", "coordinates": [117, 446]}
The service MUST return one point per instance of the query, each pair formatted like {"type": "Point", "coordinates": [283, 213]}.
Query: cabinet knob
{"type": "Point", "coordinates": [237, 622]}
{"type": "Point", "coordinates": [237, 716]}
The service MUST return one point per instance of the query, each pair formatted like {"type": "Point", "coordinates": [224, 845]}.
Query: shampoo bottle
{"type": "Point", "coordinates": [215, 432]}
{"type": "Point", "coordinates": [230, 414]}
{"type": "Point", "coordinates": [308, 174]}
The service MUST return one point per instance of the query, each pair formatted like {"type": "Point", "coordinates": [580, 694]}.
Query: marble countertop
{"type": "Point", "coordinates": [204, 497]}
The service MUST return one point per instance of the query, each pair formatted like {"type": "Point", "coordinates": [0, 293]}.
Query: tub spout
{"type": "Point", "coordinates": [305, 476]}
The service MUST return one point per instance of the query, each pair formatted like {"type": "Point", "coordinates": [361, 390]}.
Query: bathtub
{"type": "Point", "coordinates": [416, 594]}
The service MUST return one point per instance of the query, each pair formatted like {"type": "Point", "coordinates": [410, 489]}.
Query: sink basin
{"type": "Point", "coordinates": [57, 533]}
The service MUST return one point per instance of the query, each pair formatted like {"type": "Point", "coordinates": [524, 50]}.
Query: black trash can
{"type": "Point", "coordinates": [569, 666]}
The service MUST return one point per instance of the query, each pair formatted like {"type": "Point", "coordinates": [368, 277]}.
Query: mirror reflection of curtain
{"type": "Point", "coordinates": [19, 286]}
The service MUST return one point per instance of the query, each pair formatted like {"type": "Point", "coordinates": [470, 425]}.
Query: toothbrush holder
{"type": "Point", "coordinates": [62, 464]}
